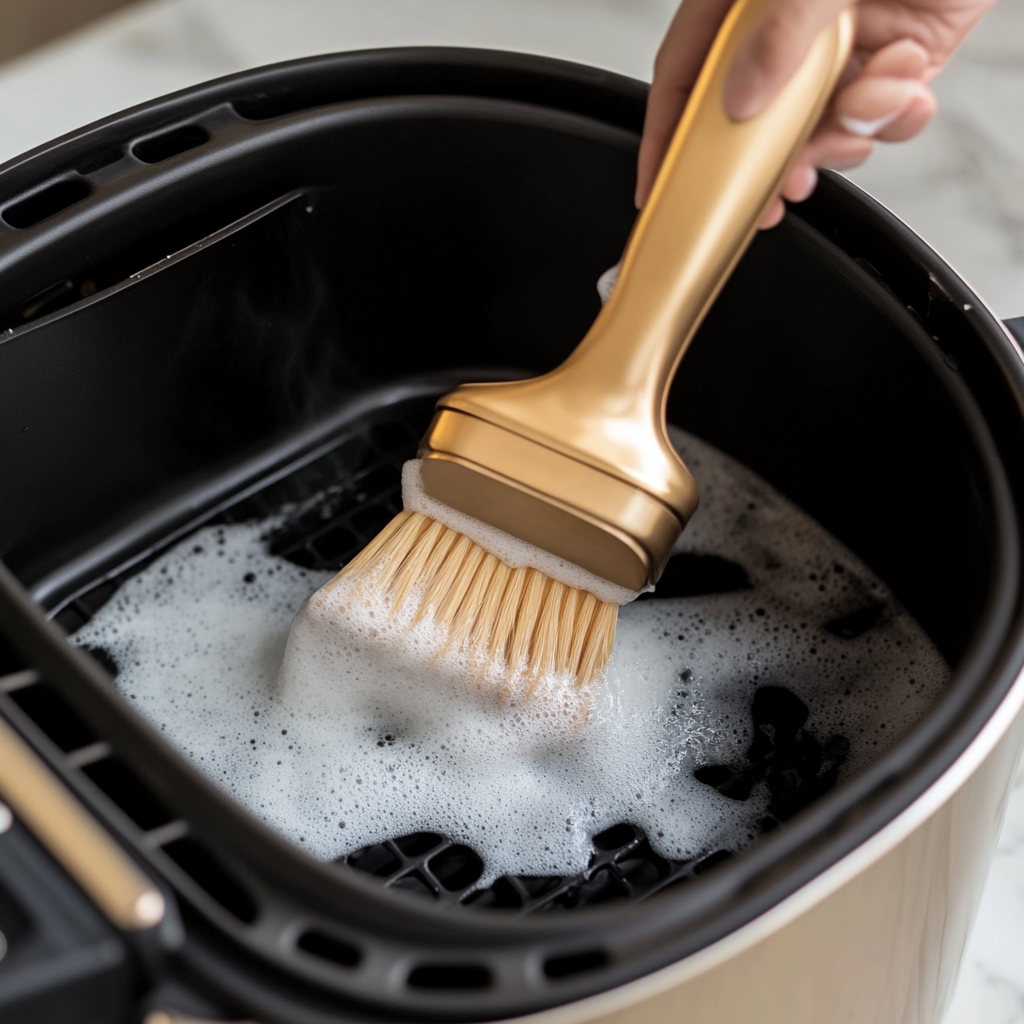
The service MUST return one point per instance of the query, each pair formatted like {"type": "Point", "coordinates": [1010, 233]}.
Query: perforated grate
{"type": "Point", "coordinates": [623, 866]}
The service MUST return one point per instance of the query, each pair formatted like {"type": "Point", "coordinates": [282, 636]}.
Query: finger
{"type": "Point", "coordinates": [801, 182]}
{"type": "Point", "coordinates": [841, 150]}
{"type": "Point", "coordinates": [829, 148]}
{"type": "Point", "coordinates": [906, 58]}
{"type": "Point", "coordinates": [937, 27]}
{"type": "Point", "coordinates": [872, 104]}
{"type": "Point", "coordinates": [774, 215]}
{"type": "Point", "coordinates": [913, 119]}
{"type": "Point", "coordinates": [773, 51]}
{"type": "Point", "coordinates": [676, 67]}
{"type": "Point", "coordinates": [824, 150]}
{"type": "Point", "coordinates": [836, 149]}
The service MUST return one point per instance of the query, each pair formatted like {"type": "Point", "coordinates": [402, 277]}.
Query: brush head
{"type": "Point", "coordinates": [516, 620]}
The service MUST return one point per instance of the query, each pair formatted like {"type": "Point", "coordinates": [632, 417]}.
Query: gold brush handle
{"type": "Point", "coordinates": [605, 405]}
{"type": "Point", "coordinates": [718, 179]}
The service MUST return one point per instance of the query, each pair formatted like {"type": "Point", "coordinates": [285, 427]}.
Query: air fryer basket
{"type": "Point", "coordinates": [249, 294]}
{"type": "Point", "coordinates": [334, 503]}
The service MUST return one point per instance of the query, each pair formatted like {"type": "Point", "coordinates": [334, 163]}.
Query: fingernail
{"type": "Point", "coordinates": [868, 129]}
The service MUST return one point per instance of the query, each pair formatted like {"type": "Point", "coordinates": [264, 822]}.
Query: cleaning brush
{"type": "Point", "coordinates": [536, 507]}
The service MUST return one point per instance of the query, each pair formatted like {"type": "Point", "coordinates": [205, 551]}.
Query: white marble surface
{"type": "Point", "coordinates": [960, 185]}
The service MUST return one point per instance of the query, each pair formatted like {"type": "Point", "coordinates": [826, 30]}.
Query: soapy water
{"type": "Point", "coordinates": [339, 739]}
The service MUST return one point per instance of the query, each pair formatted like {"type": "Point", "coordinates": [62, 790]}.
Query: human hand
{"type": "Point", "coordinates": [899, 48]}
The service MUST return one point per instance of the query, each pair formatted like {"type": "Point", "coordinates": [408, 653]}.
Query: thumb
{"type": "Point", "coordinates": [774, 50]}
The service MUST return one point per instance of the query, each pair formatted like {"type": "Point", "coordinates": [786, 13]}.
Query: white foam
{"type": "Point", "coordinates": [367, 738]}
{"type": "Point", "coordinates": [511, 550]}
{"type": "Point", "coordinates": [607, 281]}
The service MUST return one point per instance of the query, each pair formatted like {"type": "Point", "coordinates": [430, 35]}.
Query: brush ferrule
{"type": "Point", "coordinates": [513, 551]}
{"type": "Point", "coordinates": [595, 520]}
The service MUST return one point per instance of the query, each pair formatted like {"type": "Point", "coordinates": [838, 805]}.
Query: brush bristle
{"type": "Point", "coordinates": [518, 620]}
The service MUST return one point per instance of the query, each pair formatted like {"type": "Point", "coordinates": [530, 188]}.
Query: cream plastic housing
{"type": "Point", "coordinates": [578, 461]}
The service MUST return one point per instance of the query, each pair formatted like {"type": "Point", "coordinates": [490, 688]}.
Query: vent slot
{"type": "Point", "coordinates": [128, 792]}
{"type": "Point", "coordinates": [450, 976]}
{"type": "Point", "coordinates": [213, 879]}
{"type": "Point", "coordinates": [52, 713]}
{"type": "Point", "coordinates": [158, 148]}
{"type": "Point", "coordinates": [43, 204]}
{"type": "Point", "coordinates": [558, 967]}
{"type": "Point", "coordinates": [326, 947]}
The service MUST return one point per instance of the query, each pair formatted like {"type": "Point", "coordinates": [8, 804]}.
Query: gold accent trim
{"type": "Point", "coordinates": [105, 872]}
{"type": "Point", "coordinates": [603, 409]}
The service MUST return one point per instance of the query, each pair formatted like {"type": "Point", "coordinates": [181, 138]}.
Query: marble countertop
{"type": "Point", "coordinates": [960, 185]}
